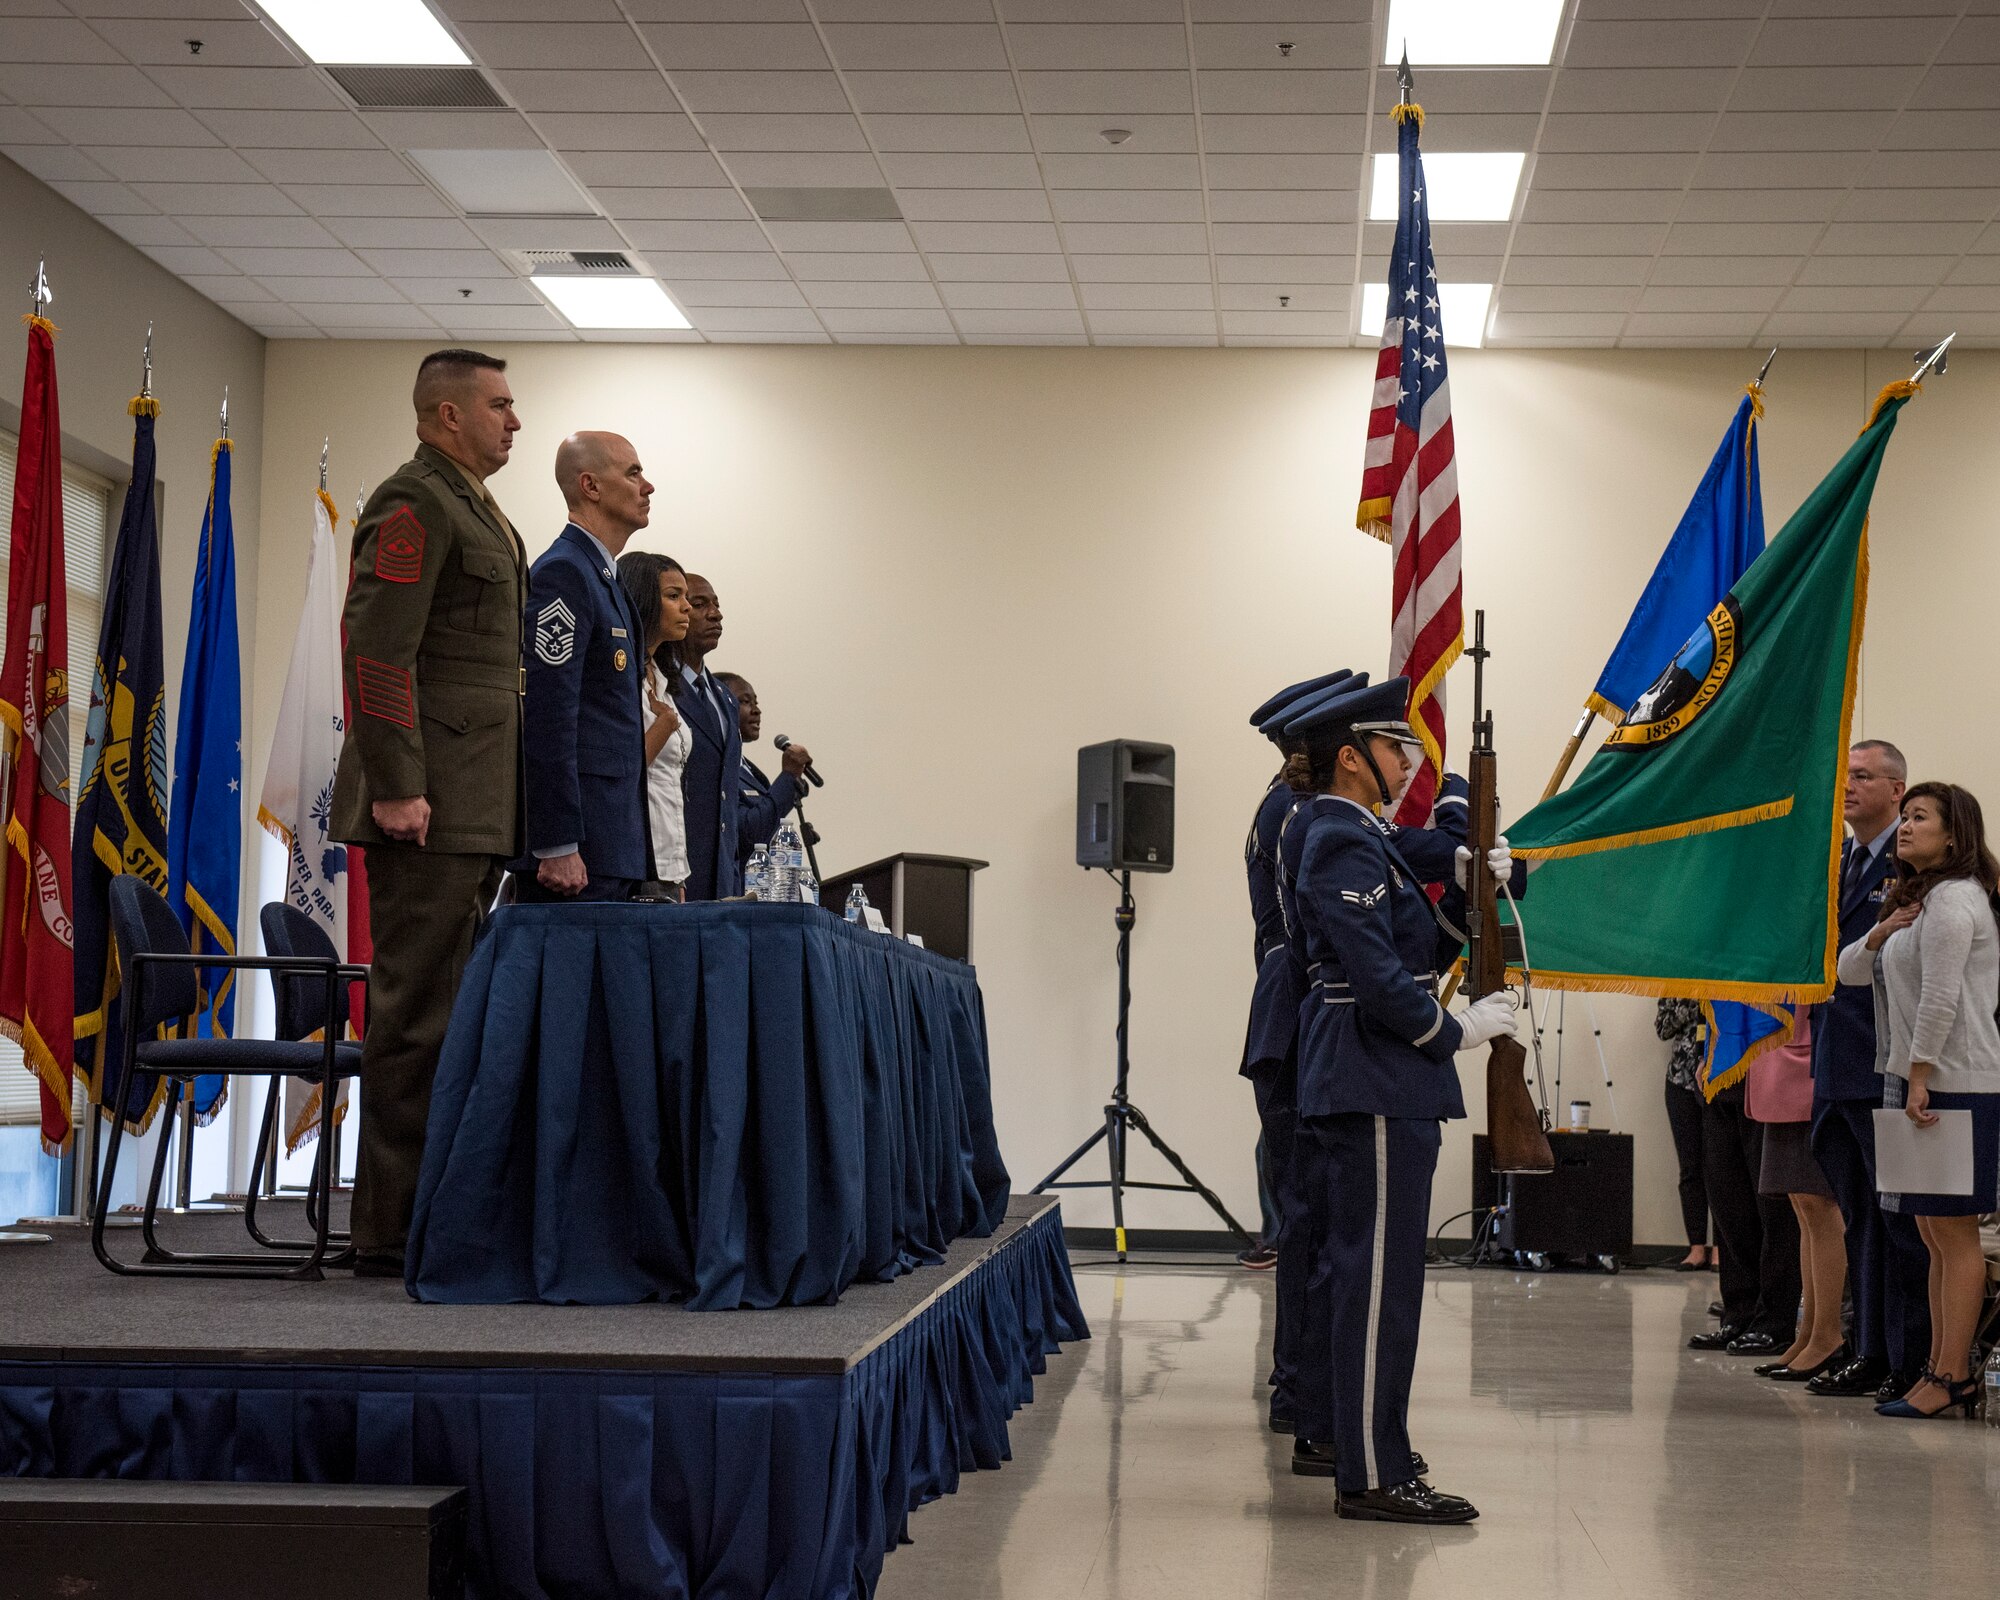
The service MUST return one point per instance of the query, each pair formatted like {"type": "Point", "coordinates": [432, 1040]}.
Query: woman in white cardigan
{"type": "Point", "coordinates": [1934, 961]}
{"type": "Point", "coordinates": [658, 590]}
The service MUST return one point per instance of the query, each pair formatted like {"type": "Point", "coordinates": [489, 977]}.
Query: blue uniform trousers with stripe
{"type": "Point", "coordinates": [1888, 1268]}
{"type": "Point", "coordinates": [1277, 1109]}
{"type": "Point", "coordinates": [1367, 1182]}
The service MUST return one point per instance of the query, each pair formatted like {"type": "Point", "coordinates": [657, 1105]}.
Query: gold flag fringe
{"type": "Point", "coordinates": [1676, 830]}
{"type": "Point", "coordinates": [143, 405]}
{"type": "Point", "coordinates": [1407, 111]}
{"type": "Point", "coordinates": [43, 323]}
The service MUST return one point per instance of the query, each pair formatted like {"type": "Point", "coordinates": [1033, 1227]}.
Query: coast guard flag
{"type": "Point", "coordinates": [121, 815]}
{"type": "Point", "coordinates": [37, 986]}
{"type": "Point", "coordinates": [1696, 854]}
{"type": "Point", "coordinates": [297, 801]}
{"type": "Point", "coordinates": [205, 839]}
{"type": "Point", "coordinates": [1409, 478]}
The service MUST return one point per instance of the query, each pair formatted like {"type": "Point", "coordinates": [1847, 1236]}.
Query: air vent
{"type": "Point", "coordinates": [417, 88]}
{"type": "Point", "coordinates": [579, 263]}
{"type": "Point", "coordinates": [824, 205]}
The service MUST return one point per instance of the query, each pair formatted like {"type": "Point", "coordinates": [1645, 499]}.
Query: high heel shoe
{"type": "Point", "coordinates": [1789, 1374]}
{"type": "Point", "coordinates": [1962, 1398]}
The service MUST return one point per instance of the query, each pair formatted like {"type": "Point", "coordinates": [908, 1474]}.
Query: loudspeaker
{"type": "Point", "coordinates": [1125, 806]}
{"type": "Point", "coordinates": [1583, 1208]}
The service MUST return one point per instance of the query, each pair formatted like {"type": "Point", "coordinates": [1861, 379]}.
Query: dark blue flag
{"type": "Point", "coordinates": [205, 839]}
{"type": "Point", "coordinates": [121, 815]}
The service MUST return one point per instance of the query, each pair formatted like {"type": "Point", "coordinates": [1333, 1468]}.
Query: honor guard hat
{"type": "Point", "coordinates": [1345, 708]}
{"type": "Point", "coordinates": [1270, 717]}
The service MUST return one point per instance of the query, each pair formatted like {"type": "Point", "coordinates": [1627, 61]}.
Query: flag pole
{"type": "Point", "coordinates": [1933, 359]}
{"type": "Point", "coordinates": [1590, 709]}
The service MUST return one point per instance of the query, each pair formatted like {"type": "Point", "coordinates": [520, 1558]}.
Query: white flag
{"type": "Point", "coordinates": [298, 782]}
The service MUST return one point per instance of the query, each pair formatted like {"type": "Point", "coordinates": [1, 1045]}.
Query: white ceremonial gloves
{"type": "Point", "coordinates": [1489, 1017]}
{"type": "Point", "coordinates": [1499, 862]}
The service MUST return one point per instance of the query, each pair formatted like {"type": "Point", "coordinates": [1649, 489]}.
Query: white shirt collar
{"type": "Point", "coordinates": [1874, 846]}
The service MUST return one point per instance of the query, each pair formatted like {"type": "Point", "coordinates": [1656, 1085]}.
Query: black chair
{"type": "Point", "coordinates": [289, 933]}
{"type": "Point", "coordinates": [160, 988]}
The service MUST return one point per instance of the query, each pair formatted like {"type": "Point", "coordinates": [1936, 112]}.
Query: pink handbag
{"type": "Point", "coordinates": [1780, 1087]}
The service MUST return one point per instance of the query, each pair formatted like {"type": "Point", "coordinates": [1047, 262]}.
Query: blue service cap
{"type": "Point", "coordinates": [1346, 708]}
{"type": "Point", "coordinates": [1270, 717]}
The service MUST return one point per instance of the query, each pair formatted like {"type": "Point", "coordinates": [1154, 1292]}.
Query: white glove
{"type": "Point", "coordinates": [1499, 862]}
{"type": "Point", "coordinates": [1489, 1017]}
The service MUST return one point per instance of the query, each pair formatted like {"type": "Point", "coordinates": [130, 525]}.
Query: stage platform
{"type": "Point", "coordinates": [609, 1450]}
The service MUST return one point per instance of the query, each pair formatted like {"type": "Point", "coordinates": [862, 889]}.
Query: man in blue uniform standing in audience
{"type": "Point", "coordinates": [761, 803]}
{"type": "Point", "coordinates": [588, 837]}
{"type": "Point", "coordinates": [1376, 1081]}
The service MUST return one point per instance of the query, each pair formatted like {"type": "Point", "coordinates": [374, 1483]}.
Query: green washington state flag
{"type": "Point", "coordinates": [1697, 854]}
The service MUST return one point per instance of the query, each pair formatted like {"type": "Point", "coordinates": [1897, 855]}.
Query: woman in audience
{"type": "Point", "coordinates": [1934, 960]}
{"type": "Point", "coordinates": [1678, 1022]}
{"type": "Point", "coordinates": [657, 588]}
{"type": "Point", "coordinates": [1781, 1097]}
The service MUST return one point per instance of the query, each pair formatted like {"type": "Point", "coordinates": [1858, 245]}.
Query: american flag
{"type": "Point", "coordinates": [1409, 482]}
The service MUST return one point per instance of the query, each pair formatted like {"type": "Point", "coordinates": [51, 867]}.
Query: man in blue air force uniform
{"type": "Point", "coordinates": [588, 835]}
{"type": "Point", "coordinates": [1376, 1081]}
{"type": "Point", "coordinates": [1887, 1264]}
{"type": "Point", "coordinates": [1270, 1055]}
{"type": "Point", "coordinates": [761, 802]}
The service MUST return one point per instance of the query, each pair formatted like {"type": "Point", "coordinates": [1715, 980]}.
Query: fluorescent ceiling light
{"type": "Point", "coordinates": [1464, 306]}
{"type": "Point", "coordinates": [375, 33]}
{"type": "Point", "coordinates": [1472, 33]}
{"type": "Point", "coordinates": [1461, 185]}
{"type": "Point", "coordinates": [611, 302]}
{"type": "Point", "coordinates": [505, 183]}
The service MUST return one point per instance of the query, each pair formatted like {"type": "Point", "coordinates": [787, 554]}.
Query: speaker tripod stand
{"type": "Point", "coordinates": [1122, 1118]}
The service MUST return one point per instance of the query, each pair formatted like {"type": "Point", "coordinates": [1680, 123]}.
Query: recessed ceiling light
{"type": "Point", "coordinates": [1460, 185]}
{"type": "Point", "coordinates": [611, 302]}
{"type": "Point", "coordinates": [505, 183]}
{"type": "Point", "coordinates": [366, 32]}
{"type": "Point", "coordinates": [1472, 33]}
{"type": "Point", "coordinates": [1464, 306]}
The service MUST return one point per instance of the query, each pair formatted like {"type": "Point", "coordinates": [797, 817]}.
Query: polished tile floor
{"type": "Point", "coordinates": [1606, 1459]}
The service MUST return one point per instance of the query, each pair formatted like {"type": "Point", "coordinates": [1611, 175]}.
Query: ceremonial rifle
{"type": "Point", "coordinates": [1515, 1137]}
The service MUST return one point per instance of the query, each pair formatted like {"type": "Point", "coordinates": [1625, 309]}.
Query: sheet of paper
{"type": "Point", "coordinates": [1914, 1160]}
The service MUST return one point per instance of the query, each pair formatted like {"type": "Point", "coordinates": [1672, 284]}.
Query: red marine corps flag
{"type": "Point", "coordinates": [1409, 481]}
{"type": "Point", "coordinates": [37, 987]}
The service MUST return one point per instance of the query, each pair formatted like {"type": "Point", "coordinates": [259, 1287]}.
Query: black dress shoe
{"type": "Point", "coordinates": [1860, 1376]}
{"type": "Point", "coordinates": [1770, 1369]}
{"type": "Point", "coordinates": [378, 1264]}
{"type": "Point", "coordinates": [1715, 1308]}
{"type": "Point", "coordinates": [1313, 1460]}
{"type": "Point", "coordinates": [1895, 1386]}
{"type": "Point", "coordinates": [1415, 1501]}
{"type": "Point", "coordinates": [1752, 1344]}
{"type": "Point", "coordinates": [1284, 1422]}
{"type": "Point", "coordinates": [1818, 1369]}
{"type": "Point", "coordinates": [1716, 1338]}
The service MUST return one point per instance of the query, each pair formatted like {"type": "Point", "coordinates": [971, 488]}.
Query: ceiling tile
{"type": "Point", "coordinates": [1471, 91]}
{"type": "Point", "coordinates": [369, 200]}
{"type": "Point", "coordinates": [1920, 205]}
{"type": "Point", "coordinates": [319, 263]}
{"type": "Point", "coordinates": [979, 267]}
{"type": "Point", "coordinates": [442, 130]}
{"type": "Point", "coordinates": [1148, 297]}
{"type": "Point", "coordinates": [1653, 170]}
{"type": "Point", "coordinates": [1289, 323]}
{"type": "Point", "coordinates": [1601, 239]}
{"type": "Point", "coordinates": [1728, 238]}
{"type": "Point", "coordinates": [1285, 238]}
{"type": "Point", "coordinates": [401, 316]}
{"type": "Point", "coordinates": [149, 228]}
{"type": "Point", "coordinates": [1843, 41]}
{"type": "Point", "coordinates": [1610, 132]}
{"type": "Point", "coordinates": [926, 92]}
{"type": "Point", "coordinates": [244, 88]}
{"type": "Point", "coordinates": [452, 291]}
{"type": "Point", "coordinates": [978, 205]}
{"type": "Point", "coordinates": [182, 260]}
{"type": "Point", "coordinates": [1875, 269]}
{"type": "Point", "coordinates": [783, 169]}
{"type": "Point", "coordinates": [1254, 45]}
{"type": "Point", "coordinates": [1508, 325]}
{"type": "Point", "coordinates": [149, 164]}
{"type": "Point", "coordinates": [1579, 269]}
{"type": "Point", "coordinates": [906, 295]}
{"type": "Point", "coordinates": [1023, 237]}
{"type": "Point", "coordinates": [232, 287]}
{"type": "Point", "coordinates": [1976, 270]}
{"type": "Point", "coordinates": [367, 289]}
{"type": "Point", "coordinates": [569, 44]}
{"type": "Point", "coordinates": [1644, 89]}
{"type": "Point", "coordinates": [1008, 296]}
{"type": "Point", "coordinates": [1283, 205]}
{"type": "Point", "coordinates": [1283, 172]}
{"type": "Point", "coordinates": [31, 84]}
{"type": "Point", "coordinates": [736, 46]}
{"type": "Point", "coordinates": [56, 39]}
{"type": "Point", "coordinates": [1128, 205]}
{"type": "Point", "coordinates": [1087, 93]}
{"type": "Point", "coordinates": [1516, 298]}
{"type": "Point", "coordinates": [1151, 134]}
{"type": "Point", "coordinates": [1285, 269]}
{"type": "Point", "coordinates": [717, 264]}
{"type": "Point", "coordinates": [859, 336]}
{"type": "Point", "coordinates": [61, 163]}
{"type": "Point", "coordinates": [1693, 298]}
{"type": "Point", "coordinates": [1155, 341]}
{"type": "Point", "coordinates": [1928, 169]}
{"type": "Point", "coordinates": [918, 47]}
{"type": "Point", "coordinates": [728, 292]}
{"type": "Point", "coordinates": [1129, 322]}
{"type": "Point", "coordinates": [285, 130]}
{"type": "Point", "coordinates": [1800, 130]}
{"type": "Point", "coordinates": [1758, 206]}
{"type": "Point", "coordinates": [761, 319]}
{"type": "Point", "coordinates": [547, 233]}
{"type": "Point", "coordinates": [1281, 135]}
{"type": "Point", "coordinates": [1253, 93]}
{"type": "Point", "coordinates": [600, 90]}
{"type": "Point", "coordinates": [463, 264]}
{"type": "Point", "coordinates": [688, 205]}
{"type": "Point", "coordinates": [1904, 298]}
{"type": "Point", "coordinates": [1118, 47]}
{"type": "Point", "coordinates": [475, 319]}
{"type": "Point", "coordinates": [650, 205]}
{"type": "Point", "coordinates": [1051, 339]}
{"type": "Point", "coordinates": [1304, 296]}
{"type": "Point", "coordinates": [1513, 131]}
{"type": "Point", "coordinates": [1021, 321]}
{"type": "Point", "coordinates": [1883, 238]}
{"type": "Point", "coordinates": [1967, 296]}
{"type": "Point", "coordinates": [216, 199]}
{"type": "Point", "coordinates": [331, 166]}
{"type": "Point", "coordinates": [1718, 42]}
{"type": "Point", "coordinates": [1779, 169]}
{"type": "Point", "coordinates": [1141, 269]}
{"type": "Point", "coordinates": [1827, 88]}
{"type": "Point", "coordinates": [762, 131]}
{"type": "Point", "coordinates": [300, 233]}
{"type": "Point", "coordinates": [962, 171]}
{"type": "Point", "coordinates": [224, 43]}
{"type": "Point", "coordinates": [839, 236]}
{"type": "Point", "coordinates": [1850, 325]}
{"type": "Point", "coordinates": [129, 126]}
{"type": "Point", "coordinates": [1136, 238]}
{"type": "Point", "coordinates": [589, 130]}
{"type": "Point", "coordinates": [858, 266]}
{"type": "Point", "coordinates": [20, 128]}
{"type": "Point", "coordinates": [663, 233]}
{"type": "Point", "coordinates": [942, 132]}
{"type": "Point", "coordinates": [609, 170]}
{"type": "Point", "coordinates": [1604, 205]}
{"type": "Point", "coordinates": [1925, 129]}
{"type": "Point", "coordinates": [884, 319]}
{"type": "Point", "coordinates": [1704, 325]}
{"type": "Point", "coordinates": [1975, 39]}
{"type": "Point", "coordinates": [1102, 10]}
{"type": "Point", "coordinates": [1121, 170]}
{"type": "Point", "coordinates": [1729, 269]}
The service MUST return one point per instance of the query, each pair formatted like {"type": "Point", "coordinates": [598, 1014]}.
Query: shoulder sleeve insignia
{"type": "Point", "coordinates": [399, 547]}
{"type": "Point", "coordinates": [384, 692]}
{"type": "Point", "coordinates": [555, 634]}
{"type": "Point", "coordinates": [1367, 900]}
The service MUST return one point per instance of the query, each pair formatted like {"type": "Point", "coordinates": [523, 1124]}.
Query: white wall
{"type": "Point", "coordinates": [947, 569]}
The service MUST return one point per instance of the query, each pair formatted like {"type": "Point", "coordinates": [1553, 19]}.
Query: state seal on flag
{"type": "Point", "coordinates": [1689, 685]}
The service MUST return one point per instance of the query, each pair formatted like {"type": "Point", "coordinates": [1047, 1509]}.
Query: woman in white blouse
{"type": "Point", "coordinates": [1934, 961]}
{"type": "Point", "coordinates": [657, 588]}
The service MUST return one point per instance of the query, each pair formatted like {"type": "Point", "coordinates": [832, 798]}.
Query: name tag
{"type": "Point", "coordinates": [618, 633]}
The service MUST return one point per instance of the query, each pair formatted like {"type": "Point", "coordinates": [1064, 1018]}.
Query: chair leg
{"type": "Point", "coordinates": [338, 1240]}
{"type": "Point", "coordinates": [257, 1167]}
{"type": "Point", "coordinates": [148, 1218]}
{"type": "Point", "coordinates": [104, 1197]}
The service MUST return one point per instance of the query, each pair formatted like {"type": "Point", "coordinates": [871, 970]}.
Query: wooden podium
{"type": "Point", "coordinates": [930, 896]}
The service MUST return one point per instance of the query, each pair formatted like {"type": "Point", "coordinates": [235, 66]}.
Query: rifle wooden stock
{"type": "Point", "coordinates": [1514, 1132]}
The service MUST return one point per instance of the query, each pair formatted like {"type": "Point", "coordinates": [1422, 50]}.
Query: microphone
{"type": "Point", "coordinates": [783, 743]}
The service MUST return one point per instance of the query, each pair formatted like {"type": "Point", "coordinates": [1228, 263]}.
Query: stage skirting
{"type": "Point", "coordinates": [589, 1484]}
{"type": "Point", "coordinates": [731, 1105]}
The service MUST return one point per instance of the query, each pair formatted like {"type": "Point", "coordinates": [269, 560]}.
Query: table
{"type": "Point", "coordinates": [734, 1105]}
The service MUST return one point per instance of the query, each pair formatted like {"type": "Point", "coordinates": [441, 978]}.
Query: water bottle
{"type": "Point", "coordinates": [757, 875]}
{"type": "Point", "coordinates": [1989, 1389]}
{"type": "Point", "coordinates": [808, 883]}
{"type": "Point", "coordinates": [788, 854]}
{"type": "Point", "coordinates": [857, 905]}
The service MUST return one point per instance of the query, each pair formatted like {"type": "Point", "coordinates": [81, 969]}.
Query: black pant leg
{"type": "Point", "coordinates": [425, 908]}
{"type": "Point", "coordinates": [1684, 1117]}
{"type": "Point", "coordinates": [1732, 1148]}
{"type": "Point", "coordinates": [1837, 1147]}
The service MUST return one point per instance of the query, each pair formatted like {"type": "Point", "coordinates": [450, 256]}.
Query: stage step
{"type": "Point", "coordinates": [128, 1539]}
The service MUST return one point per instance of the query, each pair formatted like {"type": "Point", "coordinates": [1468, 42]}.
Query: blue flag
{"type": "Point", "coordinates": [121, 815]}
{"type": "Point", "coordinates": [205, 841]}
